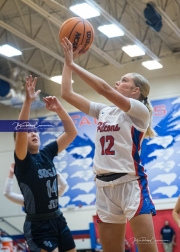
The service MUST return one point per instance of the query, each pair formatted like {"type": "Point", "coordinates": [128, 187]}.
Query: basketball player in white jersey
{"type": "Point", "coordinates": [122, 187]}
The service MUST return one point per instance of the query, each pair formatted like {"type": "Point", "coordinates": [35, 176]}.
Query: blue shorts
{"type": "Point", "coordinates": [48, 235]}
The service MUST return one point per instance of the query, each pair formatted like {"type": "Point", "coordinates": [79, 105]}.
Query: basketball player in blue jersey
{"type": "Point", "coordinates": [45, 228]}
{"type": "Point", "coordinates": [122, 187]}
{"type": "Point", "coordinates": [17, 197]}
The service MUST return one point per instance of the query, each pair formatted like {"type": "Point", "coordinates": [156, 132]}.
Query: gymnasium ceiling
{"type": "Point", "coordinates": [32, 26]}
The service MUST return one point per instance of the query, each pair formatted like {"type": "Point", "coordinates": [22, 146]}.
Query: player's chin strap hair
{"type": "Point", "coordinates": [145, 101]}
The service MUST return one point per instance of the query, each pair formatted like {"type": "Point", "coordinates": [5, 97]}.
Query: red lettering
{"type": "Point", "coordinates": [84, 121]}
{"type": "Point", "coordinates": [74, 117]}
{"type": "Point", "coordinates": [160, 110]}
{"type": "Point", "coordinates": [103, 127]}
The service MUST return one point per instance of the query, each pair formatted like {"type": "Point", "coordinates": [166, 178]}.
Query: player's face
{"type": "Point", "coordinates": [33, 142]}
{"type": "Point", "coordinates": [125, 85]}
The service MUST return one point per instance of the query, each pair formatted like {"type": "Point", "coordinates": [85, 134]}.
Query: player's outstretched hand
{"type": "Point", "coordinates": [30, 85]}
{"type": "Point", "coordinates": [52, 103]}
{"type": "Point", "coordinates": [68, 51]}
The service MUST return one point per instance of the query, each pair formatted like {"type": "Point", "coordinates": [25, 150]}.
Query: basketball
{"type": "Point", "coordinates": [79, 31]}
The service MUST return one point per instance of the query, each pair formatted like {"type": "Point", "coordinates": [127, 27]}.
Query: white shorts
{"type": "Point", "coordinates": [119, 202]}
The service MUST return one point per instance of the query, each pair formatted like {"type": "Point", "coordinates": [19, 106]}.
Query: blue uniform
{"type": "Point", "coordinates": [44, 227]}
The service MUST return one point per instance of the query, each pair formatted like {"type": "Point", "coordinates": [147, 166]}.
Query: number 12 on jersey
{"type": "Point", "coordinates": [107, 143]}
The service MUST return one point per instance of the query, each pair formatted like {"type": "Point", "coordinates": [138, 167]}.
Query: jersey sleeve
{"type": "Point", "coordinates": [139, 114]}
{"type": "Point", "coordinates": [95, 109]}
{"type": "Point", "coordinates": [14, 197]}
{"type": "Point", "coordinates": [22, 163]}
{"type": "Point", "coordinates": [51, 149]}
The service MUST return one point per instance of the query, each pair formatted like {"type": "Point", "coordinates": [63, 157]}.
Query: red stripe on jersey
{"type": "Point", "coordinates": [140, 140]}
{"type": "Point", "coordinates": [134, 150]}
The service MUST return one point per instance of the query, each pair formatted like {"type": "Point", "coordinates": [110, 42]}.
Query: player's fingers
{"type": "Point", "coordinates": [30, 80]}
{"type": "Point", "coordinates": [63, 43]}
{"type": "Point", "coordinates": [46, 100]}
{"type": "Point", "coordinates": [65, 46]}
{"type": "Point", "coordinates": [34, 81]}
{"type": "Point", "coordinates": [27, 82]}
{"type": "Point", "coordinates": [38, 92]}
{"type": "Point", "coordinates": [69, 44]}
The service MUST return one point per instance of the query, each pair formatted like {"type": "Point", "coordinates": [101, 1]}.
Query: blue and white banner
{"type": "Point", "coordinates": [160, 156]}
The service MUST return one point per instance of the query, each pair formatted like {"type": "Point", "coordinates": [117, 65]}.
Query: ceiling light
{"type": "Point", "coordinates": [9, 51]}
{"type": "Point", "coordinates": [111, 30]}
{"type": "Point", "coordinates": [133, 50]}
{"type": "Point", "coordinates": [84, 10]}
{"type": "Point", "coordinates": [58, 79]}
{"type": "Point", "coordinates": [152, 64]}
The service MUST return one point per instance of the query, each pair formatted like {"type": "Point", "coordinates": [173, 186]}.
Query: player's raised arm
{"type": "Point", "coordinates": [69, 95]}
{"type": "Point", "coordinates": [70, 130]}
{"type": "Point", "coordinates": [98, 84]}
{"type": "Point", "coordinates": [22, 137]}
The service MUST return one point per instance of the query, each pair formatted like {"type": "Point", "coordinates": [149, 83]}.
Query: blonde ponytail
{"type": "Point", "coordinates": [150, 131]}
{"type": "Point", "coordinates": [144, 86]}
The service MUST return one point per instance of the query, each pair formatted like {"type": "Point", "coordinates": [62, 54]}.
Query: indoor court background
{"type": "Point", "coordinates": [32, 26]}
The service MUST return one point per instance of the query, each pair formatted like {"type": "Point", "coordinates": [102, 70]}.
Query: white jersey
{"type": "Point", "coordinates": [118, 138]}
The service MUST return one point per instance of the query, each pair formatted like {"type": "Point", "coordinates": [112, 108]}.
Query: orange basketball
{"type": "Point", "coordinates": [79, 31]}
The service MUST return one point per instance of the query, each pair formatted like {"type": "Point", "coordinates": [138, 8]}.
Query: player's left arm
{"type": "Point", "coordinates": [21, 145]}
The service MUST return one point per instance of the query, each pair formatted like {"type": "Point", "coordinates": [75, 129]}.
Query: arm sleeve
{"type": "Point", "coordinates": [139, 114]}
{"type": "Point", "coordinates": [95, 109]}
{"type": "Point", "coordinates": [62, 184]}
{"type": "Point", "coordinates": [14, 197]}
